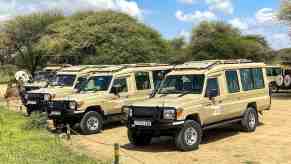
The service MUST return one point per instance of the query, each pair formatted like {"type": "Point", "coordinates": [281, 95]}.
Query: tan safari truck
{"type": "Point", "coordinates": [197, 96]}
{"type": "Point", "coordinates": [274, 73]}
{"type": "Point", "coordinates": [44, 77]}
{"type": "Point", "coordinates": [68, 81]}
{"type": "Point", "coordinates": [101, 99]}
{"type": "Point", "coordinates": [279, 76]}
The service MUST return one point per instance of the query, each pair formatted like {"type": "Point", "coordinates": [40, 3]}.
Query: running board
{"type": "Point", "coordinates": [215, 125]}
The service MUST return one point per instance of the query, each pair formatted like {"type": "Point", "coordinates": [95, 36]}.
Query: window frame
{"type": "Point", "coordinates": [206, 86]}
{"type": "Point", "coordinates": [237, 81]}
{"type": "Point", "coordinates": [119, 78]}
{"type": "Point", "coordinates": [149, 80]}
{"type": "Point", "coordinates": [254, 87]}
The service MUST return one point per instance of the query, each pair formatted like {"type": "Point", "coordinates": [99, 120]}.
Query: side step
{"type": "Point", "coordinates": [215, 125]}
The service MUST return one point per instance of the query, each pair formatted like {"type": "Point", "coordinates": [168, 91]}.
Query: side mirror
{"type": "Point", "coordinates": [211, 93]}
{"type": "Point", "coordinates": [115, 89]}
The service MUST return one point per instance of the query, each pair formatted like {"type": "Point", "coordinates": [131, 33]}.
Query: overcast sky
{"type": "Point", "coordinates": [173, 17]}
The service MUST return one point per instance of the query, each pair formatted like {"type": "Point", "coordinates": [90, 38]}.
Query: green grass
{"type": "Point", "coordinates": [23, 146]}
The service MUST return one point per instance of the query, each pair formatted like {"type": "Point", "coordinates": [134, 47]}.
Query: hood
{"type": "Point", "coordinates": [57, 91]}
{"type": "Point", "coordinates": [85, 96]}
{"type": "Point", "coordinates": [172, 100]}
{"type": "Point", "coordinates": [40, 84]}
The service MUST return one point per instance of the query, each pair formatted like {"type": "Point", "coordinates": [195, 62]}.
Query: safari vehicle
{"type": "Point", "coordinates": [101, 99]}
{"type": "Point", "coordinates": [279, 76]}
{"type": "Point", "coordinates": [44, 77]}
{"type": "Point", "coordinates": [197, 96]}
{"type": "Point", "coordinates": [68, 81]}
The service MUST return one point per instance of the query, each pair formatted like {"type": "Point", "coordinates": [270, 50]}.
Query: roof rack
{"type": "Point", "coordinates": [144, 65]}
{"type": "Point", "coordinates": [206, 64]}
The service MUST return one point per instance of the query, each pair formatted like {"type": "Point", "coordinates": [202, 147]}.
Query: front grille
{"type": "Point", "coordinates": [147, 112]}
{"type": "Point", "coordinates": [38, 97]}
{"type": "Point", "coordinates": [58, 105]}
{"type": "Point", "coordinates": [30, 88]}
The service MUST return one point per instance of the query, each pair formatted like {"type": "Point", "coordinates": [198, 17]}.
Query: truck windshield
{"type": "Point", "coordinates": [179, 84]}
{"type": "Point", "coordinates": [97, 83]}
{"type": "Point", "coordinates": [65, 80]}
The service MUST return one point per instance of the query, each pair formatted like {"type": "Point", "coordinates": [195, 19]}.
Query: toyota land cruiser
{"type": "Point", "coordinates": [68, 80]}
{"type": "Point", "coordinates": [197, 96]}
{"type": "Point", "coordinates": [102, 97]}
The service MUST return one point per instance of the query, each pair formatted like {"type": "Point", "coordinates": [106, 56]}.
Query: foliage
{"type": "Point", "coordinates": [7, 73]}
{"type": "Point", "coordinates": [105, 37]}
{"type": "Point", "coordinates": [23, 34]}
{"type": "Point", "coordinates": [178, 50]}
{"type": "Point", "coordinates": [37, 121]}
{"type": "Point", "coordinates": [33, 146]}
{"type": "Point", "coordinates": [218, 40]}
{"type": "Point", "coordinates": [285, 11]}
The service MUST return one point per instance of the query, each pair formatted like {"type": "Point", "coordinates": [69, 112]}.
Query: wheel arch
{"type": "Point", "coordinates": [194, 117]}
{"type": "Point", "coordinates": [95, 108]}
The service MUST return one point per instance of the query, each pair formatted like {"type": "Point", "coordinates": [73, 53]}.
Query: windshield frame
{"type": "Point", "coordinates": [201, 89]}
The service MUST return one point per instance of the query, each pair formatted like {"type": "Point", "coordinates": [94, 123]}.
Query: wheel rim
{"type": "Point", "coordinates": [92, 123]}
{"type": "Point", "coordinates": [252, 120]}
{"type": "Point", "coordinates": [190, 136]}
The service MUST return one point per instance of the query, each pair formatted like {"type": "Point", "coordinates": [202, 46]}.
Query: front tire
{"type": "Point", "coordinates": [91, 123]}
{"type": "Point", "coordinates": [250, 120]}
{"type": "Point", "coordinates": [138, 139]}
{"type": "Point", "coordinates": [189, 136]}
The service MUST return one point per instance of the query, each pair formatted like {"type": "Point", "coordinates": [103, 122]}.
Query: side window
{"type": "Point", "coordinates": [212, 84]}
{"type": "Point", "coordinates": [122, 83]}
{"type": "Point", "coordinates": [252, 78]}
{"type": "Point", "coordinates": [269, 71]}
{"type": "Point", "coordinates": [142, 80]}
{"type": "Point", "coordinates": [246, 79]}
{"type": "Point", "coordinates": [80, 82]}
{"type": "Point", "coordinates": [232, 81]}
{"type": "Point", "coordinates": [258, 78]}
{"type": "Point", "coordinates": [158, 76]}
{"type": "Point", "coordinates": [277, 71]}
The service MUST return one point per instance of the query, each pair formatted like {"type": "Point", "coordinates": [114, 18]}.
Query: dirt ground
{"type": "Point", "coordinates": [269, 144]}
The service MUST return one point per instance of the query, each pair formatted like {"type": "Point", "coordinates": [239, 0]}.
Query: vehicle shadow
{"type": "Point", "coordinates": [77, 131]}
{"type": "Point", "coordinates": [167, 144]}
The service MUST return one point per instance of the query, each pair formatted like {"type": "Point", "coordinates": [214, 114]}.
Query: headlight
{"type": "Point", "coordinates": [128, 111]}
{"type": "Point", "coordinates": [47, 97]}
{"type": "Point", "coordinates": [72, 105]}
{"type": "Point", "coordinates": [169, 114]}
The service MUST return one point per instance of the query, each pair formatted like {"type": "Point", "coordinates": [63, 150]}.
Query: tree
{"type": "Point", "coordinates": [23, 34]}
{"type": "Point", "coordinates": [105, 37]}
{"type": "Point", "coordinates": [178, 50]}
{"type": "Point", "coordinates": [218, 40]}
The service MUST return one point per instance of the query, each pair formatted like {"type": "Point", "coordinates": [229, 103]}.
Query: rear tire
{"type": "Point", "coordinates": [189, 136]}
{"type": "Point", "coordinates": [250, 120]}
{"type": "Point", "coordinates": [91, 123]}
{"type": "Point", "coordinates": [138, 139]}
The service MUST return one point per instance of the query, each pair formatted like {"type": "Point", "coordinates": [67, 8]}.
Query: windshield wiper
{"type": "Point", "coordinates": [185, 93]}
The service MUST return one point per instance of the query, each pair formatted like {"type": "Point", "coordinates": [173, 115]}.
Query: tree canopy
{"type": "Point", "coordinates": [23, 33]}
{"type": "Point", "coordinates": [218, 40]}
{"type": "Point", "coordinates": [105, 37]}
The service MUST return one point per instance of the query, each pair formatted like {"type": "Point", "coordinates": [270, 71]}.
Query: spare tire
{"type": "Point", "coordinates": [287, 80]}
{"type": "Point", "coordinates": [279, 80]}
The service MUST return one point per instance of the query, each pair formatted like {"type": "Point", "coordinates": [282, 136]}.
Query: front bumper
{"type": "Point", "coordinates": [59, 110]}
{"type": "Point", "coordinates": [156, 127]}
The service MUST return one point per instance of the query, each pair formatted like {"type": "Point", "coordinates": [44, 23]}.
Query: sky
{"type": "Point", "coordinates": [173, 18]}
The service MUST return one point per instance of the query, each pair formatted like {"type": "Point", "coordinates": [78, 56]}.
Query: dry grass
{"type": "Point", "coordinates": [270, 144]}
